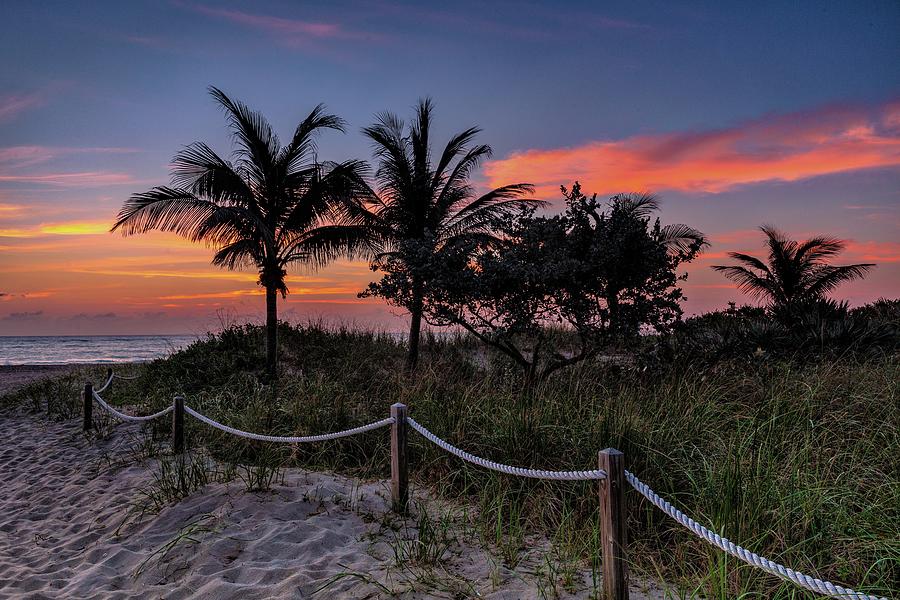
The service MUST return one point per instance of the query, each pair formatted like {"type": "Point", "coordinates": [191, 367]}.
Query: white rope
{"type": "Point", "coordinates": [126, 377]}
{"type": "Point", "coordinates": [125, 417]}
{"type": "Point", "coordinates": [520, 471]}
{"type": "Point", "coordinates": [287, 439]}
{"type": "Point", "coordinates": [106, 385]}
{"type": "Point", "coordinates": [114, 376]}
{"type": "Point", "coordinates": [825, 588]}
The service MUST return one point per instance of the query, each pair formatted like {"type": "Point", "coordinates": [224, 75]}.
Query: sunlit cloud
{"type": "Point", "coordinates": [9, 296]}
{"type": "Point", "coordinates": [16, 233]}
{"type": "Point", "coordinates": [791, 147]}
{"type": "Point", "coordinates": [16, 157]}
{"type": "Point", "coordinates": [10, 210]}
{"type": "Point", "coordinates": [288, 31]}
{"type": "Point", "coordinates": [876, 252]}
{"type": "Point", "coordinates": [64, 228]}
{"type": "Point", "coordinates": [82, 179]}
{"type": "Point", "coordinates": [147, 274]}
{"type": "Point", "coordinates": [208, 295]}
{"type": "Point", "coordinates": [14, 104]}
{"type": "Point", "coordinates": [75, 228]}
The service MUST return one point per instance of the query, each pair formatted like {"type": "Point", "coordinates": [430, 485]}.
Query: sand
{"type": "Point", "coordinates": [13, 377]}
{"type": "Point", "coordinates": [69, 529]}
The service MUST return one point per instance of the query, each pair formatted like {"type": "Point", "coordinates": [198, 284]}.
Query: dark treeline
{"type": "Point", "coordinates": [548, 291]}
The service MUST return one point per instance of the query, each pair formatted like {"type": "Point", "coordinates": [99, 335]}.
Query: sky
{"type": "Point", "coordinates": [735, 114]}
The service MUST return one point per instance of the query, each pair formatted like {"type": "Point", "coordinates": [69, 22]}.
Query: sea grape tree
{"type": "Point", "coordinates": [560, 289]}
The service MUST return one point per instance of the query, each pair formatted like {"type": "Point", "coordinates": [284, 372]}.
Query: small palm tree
{"type": "Point", "coordinates": [266, 208]}
{"type": "Point", "coordinates": [423, 207]}
{"type": "Point", "coordinates": [796, 273]}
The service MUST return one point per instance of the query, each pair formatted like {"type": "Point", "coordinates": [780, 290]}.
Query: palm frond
{"type": "Point", "coordinates": [830, 277]}
{"type": "Point", "coordinates": [489, 210]}
{"type": "Point", "coordinates": [165, 209]}
{"type": "Point", "coordinates": [748, 281]}
{"type": "Point", "coordinates": [681, 238]}
{"type": "Point", "coordinates": [304, 141]}
{"type": "Point", "coordinates": [327, 242]}
{"type": "Point", "coordinates": [418, 136]}
{"type": "Point", "coordinates": [199, 169]}
{"type": "Point", "coordinates": [752, 261]}
{"type": "Point", "coordinates": [641, 205]}
{"type": "Point", "coordinates": [240, 253]}
{"type": "Point", "coordinates": [456, 146]}
{"type": "Point", "coordinates": [254, 135]}
{"type": "Point", "coordinates": [819, 248]}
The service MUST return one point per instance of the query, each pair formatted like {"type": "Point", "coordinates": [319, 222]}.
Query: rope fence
{"type": "Point", "coordinates": [611, 477]}
{"type": "Point", "coordinates": [287, 439]}
{"type": "Point", "coordinates": [494, 466]}
{"type": "Point", "coordinates": [134, 419]}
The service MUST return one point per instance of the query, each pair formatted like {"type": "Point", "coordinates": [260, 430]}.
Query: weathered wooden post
{"type": "Point", "coordinates": [612, 525]}
{"type": "Point", "coordinates": [178, 426]}
{"type": "Point", "coordinates": [88, 406]}
{"type": "Point", "coordinates": [399, 480]}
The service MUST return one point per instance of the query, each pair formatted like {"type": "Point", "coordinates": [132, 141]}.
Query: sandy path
{"type": "Point", "coordinates": [62, 509]}
{"type": "Point", "coordinates": [13, 377]}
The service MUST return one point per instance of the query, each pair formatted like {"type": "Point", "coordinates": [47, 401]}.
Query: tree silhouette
{"type": "Point", "coordinates": [561, 289]}
{"type": "Point", "coordinates": [269, 207]}
{"type": "Point", "coordinates": [422, 207]}
{"type": "Point", "coordinates": [795, 273]}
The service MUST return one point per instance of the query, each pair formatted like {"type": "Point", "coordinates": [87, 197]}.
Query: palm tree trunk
{"type": "Point", "coordinates": [415, 326]}
{"type": "Point", "coordinates": [271, 331]}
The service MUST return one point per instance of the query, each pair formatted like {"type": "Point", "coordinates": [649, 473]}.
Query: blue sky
{"type": "Point", "coordinates": [96, 97]}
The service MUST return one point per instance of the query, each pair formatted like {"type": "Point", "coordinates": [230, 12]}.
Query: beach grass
{"type": "Point", "coordinates": [797, 462]}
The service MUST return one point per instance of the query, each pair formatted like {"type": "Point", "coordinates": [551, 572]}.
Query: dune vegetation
{"type": "Point", "coordinates": [793, 458]}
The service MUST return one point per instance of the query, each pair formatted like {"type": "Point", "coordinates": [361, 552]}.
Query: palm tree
{"type": "Point", "coordinates": [266, 208]}
{"type": "Point", "coordinates": [796, 273]}
{"type": "Point", "coordinates": [680, 242]}
{"type": "Point", "coordinates": [423, 207]}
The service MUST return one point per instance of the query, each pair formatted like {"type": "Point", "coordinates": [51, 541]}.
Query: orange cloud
{"type": "Point", "coordinates": [63, 228]}
{"type": "Point", "coordinates": [876, 252]}
{"type": "Point", "coordinates": [783, 148]}
{"type": "Point", "coordinates": [11, 210]}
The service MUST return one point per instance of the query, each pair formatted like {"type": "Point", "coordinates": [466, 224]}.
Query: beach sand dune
{"type": "Point", "coordinates": [13, 377]}
{"type": "Point", "coordinates": [69, 528]}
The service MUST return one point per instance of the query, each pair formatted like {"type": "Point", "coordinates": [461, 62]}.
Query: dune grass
{"type": "Point", "coordinates": [796, 462]}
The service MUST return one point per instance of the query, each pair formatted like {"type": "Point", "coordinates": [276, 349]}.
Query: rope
{"type": "Point", "coordinates": [825, 588]}
{"type": "Point", "coordinates": [288, 440]}
{"type": "Point", "coordinates": [125, 417]}
{"type": "Point", "coordinates": [520, 471]}
{"type": "Point", "coordinates": [114, 376]}
{"type": "Point", "coordinates": [106, 385]}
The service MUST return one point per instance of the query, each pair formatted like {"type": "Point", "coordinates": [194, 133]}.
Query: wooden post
{"type": "Point", "coordinates": [88, 406]}
{"type": "Point", "coordinates": [399, 480]}
{"type": "Point", "coordinates": [612, 525]}
{"type": "Point", "coordinates": [178, 426]}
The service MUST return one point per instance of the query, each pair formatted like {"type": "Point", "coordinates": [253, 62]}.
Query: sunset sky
{"type": "Point", "coordinates": [735, 114]}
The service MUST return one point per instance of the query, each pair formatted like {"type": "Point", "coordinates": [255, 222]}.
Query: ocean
{"type": "Point", "coordinates": [72, 349]}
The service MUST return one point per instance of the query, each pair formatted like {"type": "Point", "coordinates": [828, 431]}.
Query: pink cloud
{"type": "Point", "coordinates": [289, 31]}
{"type": "Point", "coordinates": [791, 147]}
{"type": "Point", "coordinates": [76, 179]}
{"type": "Point", "coordinates": [13, 104]}
{"type": "Point", "coordinates": [872, 251]}
{"type": "Point", "coordinates": [17, 157]}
